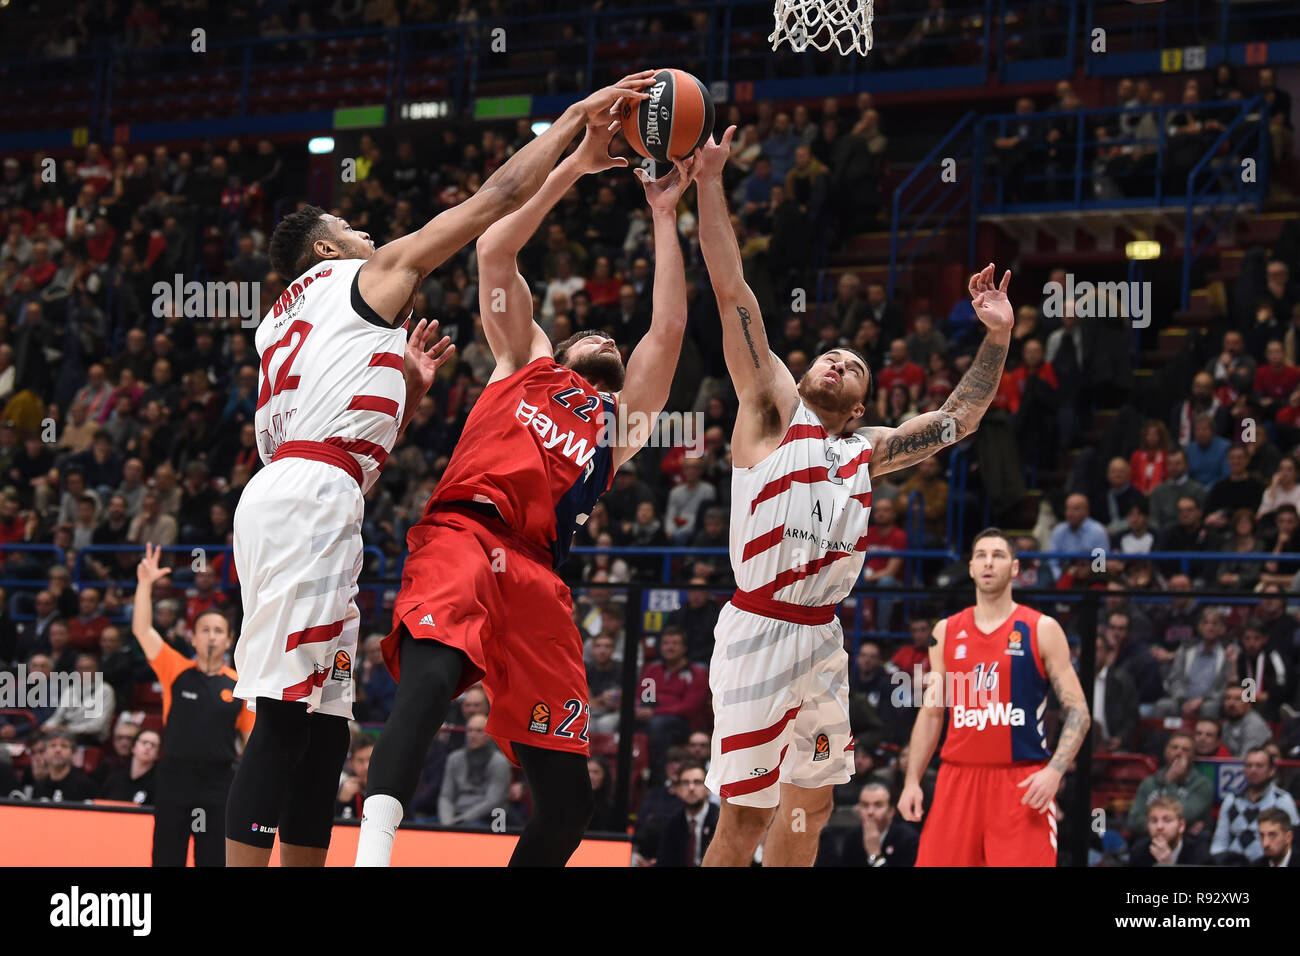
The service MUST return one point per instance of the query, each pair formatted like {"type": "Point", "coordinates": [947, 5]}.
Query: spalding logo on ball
{"type": "Point", "coordinates": [674, 121]}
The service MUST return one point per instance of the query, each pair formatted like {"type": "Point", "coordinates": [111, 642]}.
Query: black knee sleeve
{"type": "Point", "coordinates": [275, 748]}
{"type": "Point", "coordinates": [430, 674]}
{"type": "Point", "coordinates": [562, 806]}
{"type": "Point", "coordinates": [307, 816]}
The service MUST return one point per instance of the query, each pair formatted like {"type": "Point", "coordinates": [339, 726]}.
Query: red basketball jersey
{"type": "Point", "coordinates": [996, 690]}
{"type": "Point", "coordinates": [535, 447]}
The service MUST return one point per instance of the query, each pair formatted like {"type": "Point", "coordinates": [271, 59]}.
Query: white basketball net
{"type": "Point", "coordinates": [844, 24]}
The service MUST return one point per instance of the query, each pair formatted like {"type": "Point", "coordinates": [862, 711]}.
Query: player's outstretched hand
{"type": "Point", "coordinates": [663, 194]}
{"type": "Point", "coordinates": [911, 804]}
{"type": "Point", "coordinates": [711, 158]}
{"type": "Point", "coordinates": [990, 299]}
{"type": "Point", "coordinates": [592, 154]}
{"type": "Point", "coordinates": [603, 107]}
{"type": "Point", "coordinates": [147, 571]}
{"type": "Point", "coordinates": [425, 353]}
{"type": "Point", "coordinates": [1042, 788]}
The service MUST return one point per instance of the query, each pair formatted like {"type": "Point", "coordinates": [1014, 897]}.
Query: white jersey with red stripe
{"type": "Point", "coordinates": [331, 369]}
{"type": "Point", "coordinates": [799, 517]}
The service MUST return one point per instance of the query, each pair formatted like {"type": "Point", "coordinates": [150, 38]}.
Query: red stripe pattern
{"type": "Point", "coordinates": [314, 635]}
{"type": "Point", "coordinates": [763, 542]}
{"type": "Point", "coordinates": [756, 738]}
{"type": "Point", "coordinates": [373, 403]}
{"type": "Point", "coordinates": [798, 432]}
{"type": "Point", "coordinates": [386, 360]}
{"type": "Point", "coordinates": [742, 787]}
{"type": "Point", "coordinates": [780, 485]}
{"type": "Point", "coordinates": [359, 446]}
{"type": "Point", "coordinates": [850, 468]}
{"type": "Point", "coordinates": [302, 690]}
{"type": "Point", "coordinates": [863, 499]}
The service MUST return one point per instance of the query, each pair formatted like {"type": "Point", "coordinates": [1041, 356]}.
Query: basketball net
{"type": "Point", "coordinates": [844, 24]}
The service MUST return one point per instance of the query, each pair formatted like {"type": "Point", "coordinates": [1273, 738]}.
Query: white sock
{"type": "Point", "coordinates": [380, 815]}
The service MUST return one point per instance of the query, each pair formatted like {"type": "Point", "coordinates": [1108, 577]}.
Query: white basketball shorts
{"type": "Point", "coordinates": [780, 706]}
{"type": "Point", "coordinates": [298, 552]}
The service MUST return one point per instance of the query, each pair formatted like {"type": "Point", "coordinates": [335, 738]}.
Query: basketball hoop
{"type": "Point", "coordinates": [844, 24]}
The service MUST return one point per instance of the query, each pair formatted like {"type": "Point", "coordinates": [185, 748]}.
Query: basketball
{"type": "Point", "coordinates": [674, 121]}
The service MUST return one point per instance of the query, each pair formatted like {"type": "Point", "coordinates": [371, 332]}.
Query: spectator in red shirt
{"type": "Point", "coordinates": [1209, 740]}
{"type": "Point", "coordinates": [900, 371]}
{"type": "Point", "coordinates": [41, 269]}
{"type": "Point", "coordinates": [884, 534]}
{"type": "Point", "coordinates": [1147, 464]}
{"type": "Point", "coordinates": [908, 658]}
{"type": "Point", "coordinates": [85, 628]}
{"type": "Point", "coordinates": [678, 691]}
{"type": "Point", "coordinates": [603, 286]}
{"type": "Point", "coordinates": [1275, 380]}
{"type": "Point", "coordinates": [204, 597]}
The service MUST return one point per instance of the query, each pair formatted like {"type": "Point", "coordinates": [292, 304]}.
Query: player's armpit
{"type": "Point", "coordinates": [393, 274]}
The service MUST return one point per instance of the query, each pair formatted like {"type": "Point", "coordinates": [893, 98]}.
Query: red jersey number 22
{"type": "Point", "coordinates": [284, 380]}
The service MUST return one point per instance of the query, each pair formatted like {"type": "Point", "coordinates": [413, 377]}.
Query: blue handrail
{"type": "Point", "coordinates": [927, 165]}
{"type": "Point", "coordinates": [1214, 200]}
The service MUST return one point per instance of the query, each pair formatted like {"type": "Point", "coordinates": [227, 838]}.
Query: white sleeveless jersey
{"type": "Point", "coordinates": [331, 369]}
{"type": "Point", "coordinates": [799, 517]}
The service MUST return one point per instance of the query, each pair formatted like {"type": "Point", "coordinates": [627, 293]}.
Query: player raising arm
{"type": "Point", "coordinates": [506, 302]}
{"type": "Point", "coordinates": [800, 506]}
{"type": "Point", "coordinates": [480, 598]}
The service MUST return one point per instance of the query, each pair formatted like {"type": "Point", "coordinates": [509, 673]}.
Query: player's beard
{"type": "Point", "coordinates": [835, 399]}
{"type": "Point", "coordinates": [602, 369]}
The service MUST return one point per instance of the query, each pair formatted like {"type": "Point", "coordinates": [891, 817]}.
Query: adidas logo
{"type": "Point", "coordinates": [428, 619]}
{"type": "Point", "coordinates": [960, 634]}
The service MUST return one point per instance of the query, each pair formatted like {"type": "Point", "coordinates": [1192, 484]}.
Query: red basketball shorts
{"type": "Point", "coordinates": [474, 585]}
{"type": "Point", "coordinates": [977, 819]}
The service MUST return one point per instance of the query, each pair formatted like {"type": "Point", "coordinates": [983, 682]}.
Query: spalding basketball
{"type": "Point", "coordinates": [674, 121]}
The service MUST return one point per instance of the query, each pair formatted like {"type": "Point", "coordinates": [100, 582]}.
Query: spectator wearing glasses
{"type": "Point", "coordinates": [688, 832]}
{"type": "Point", "coordinates": [118, 755]}
{"type": "Point", "coordinates": [135, 782]}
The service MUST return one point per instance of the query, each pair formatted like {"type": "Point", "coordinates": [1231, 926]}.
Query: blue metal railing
{"type": "Point", "coordinates": [941, 178]}
{"type": "Point", "coordinates": [1217, 184]}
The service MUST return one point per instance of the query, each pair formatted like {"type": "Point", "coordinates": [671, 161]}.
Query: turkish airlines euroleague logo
{"type": "Point", "coordinates": [822, 748]}
{"type": "Point", "coordinates": [342, 666]}
{"type": "Point", "coordinates": [541, 722]}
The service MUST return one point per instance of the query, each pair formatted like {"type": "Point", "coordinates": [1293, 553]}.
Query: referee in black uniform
{"type": "Point", "coordinates": [201, 717]}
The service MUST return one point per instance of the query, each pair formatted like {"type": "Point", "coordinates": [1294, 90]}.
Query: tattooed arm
{"type": "Point", "coordinates": [764, 385]}
{"type": "Point", "coordinates": [1075, 720]}
{"type": "Point", "coordinates": [923, 436]}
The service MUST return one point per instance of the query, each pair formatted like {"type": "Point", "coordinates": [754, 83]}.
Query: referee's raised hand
{"type": "Point", "coordinates": [148, 571]}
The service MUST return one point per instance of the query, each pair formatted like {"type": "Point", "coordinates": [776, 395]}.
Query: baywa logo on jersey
{"type": "Point", "coordinates": [342, 666]}
{"type": "Point", "coordinates": [994, 715]}
{"type": "Point", "coordinates": [541, 722]}
{"type": "Point", "coordinates": [822, 748]}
